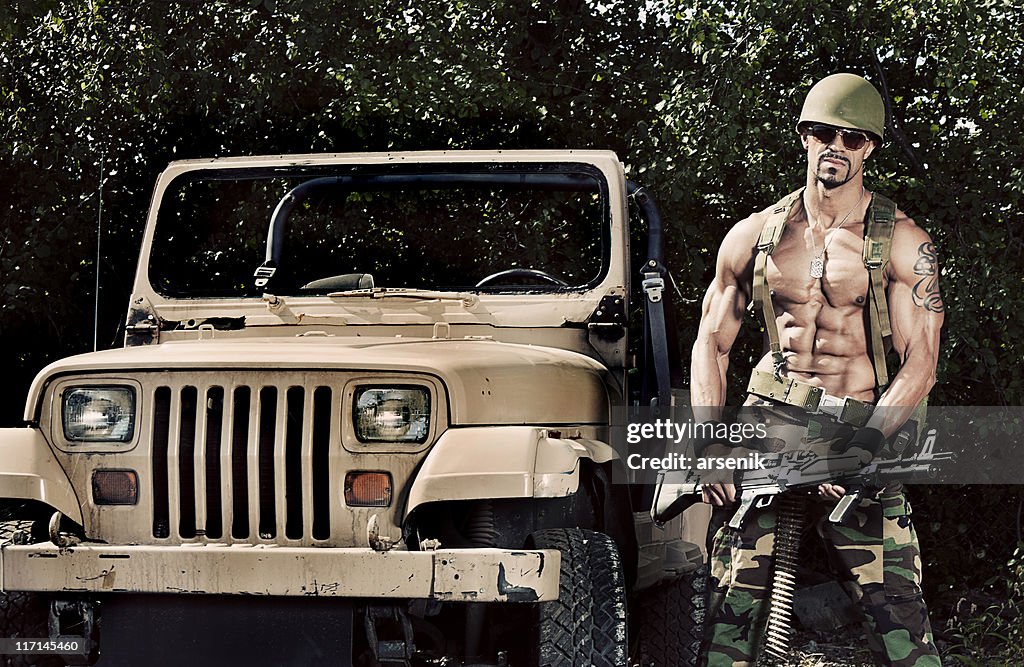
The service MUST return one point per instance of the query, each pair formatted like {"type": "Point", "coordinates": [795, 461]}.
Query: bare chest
{"type": "Point", "coordinates": [837, 254]}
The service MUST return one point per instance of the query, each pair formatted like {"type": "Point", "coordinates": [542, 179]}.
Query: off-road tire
{"type": "Point", "coordinates": [23, 614]}
{"type": "Point", "coordinates": [670, 620]}
{"type": "Point", "coordinates": [587, 624]}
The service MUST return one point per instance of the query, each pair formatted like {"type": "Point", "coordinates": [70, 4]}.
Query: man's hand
{"type": "Point", "coordinates": [864, 444]}
{"type": "Point", "coordinates": [718, 494]}
{"type": "Point", "coordinates": [721, 491]}
{"type": "Point", "coordinates": [831, 491]}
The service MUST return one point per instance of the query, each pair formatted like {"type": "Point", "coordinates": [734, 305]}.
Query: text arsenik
{"type": "Point", "coordinates": [753, 461]}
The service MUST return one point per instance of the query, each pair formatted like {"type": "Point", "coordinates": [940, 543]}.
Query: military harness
{"type": "Point", "coordinates": [879, 224]}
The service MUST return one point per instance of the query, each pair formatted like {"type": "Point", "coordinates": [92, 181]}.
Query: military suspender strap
{"type": "Point", "coordinates": [762, 298]}
{"type": "Point", "coordinates": [877, 246]}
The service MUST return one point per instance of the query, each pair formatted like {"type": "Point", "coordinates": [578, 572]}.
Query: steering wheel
{"type": "Point", "coordinates": [522, 273]}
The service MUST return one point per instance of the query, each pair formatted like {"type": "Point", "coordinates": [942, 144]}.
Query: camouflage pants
{"type": "Point", "coordinates": [876, 551]}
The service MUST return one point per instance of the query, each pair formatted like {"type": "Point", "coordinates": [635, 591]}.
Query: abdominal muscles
{"type": "Point", "coordinates": [824, 344]}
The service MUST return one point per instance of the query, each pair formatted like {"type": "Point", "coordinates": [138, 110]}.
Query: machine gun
{"type": "Point", "coordinates": [796, 470]}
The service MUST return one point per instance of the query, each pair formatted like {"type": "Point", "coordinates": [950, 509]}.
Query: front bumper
{"type": "Point", "coordinates": [449, 575]}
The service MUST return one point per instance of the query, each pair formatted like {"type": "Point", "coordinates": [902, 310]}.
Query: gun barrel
{"type": "Point", "coordinates": [910, 473]}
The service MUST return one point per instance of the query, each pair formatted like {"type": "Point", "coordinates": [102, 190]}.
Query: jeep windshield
{"type": "Point", "coordinates": [361, 229]}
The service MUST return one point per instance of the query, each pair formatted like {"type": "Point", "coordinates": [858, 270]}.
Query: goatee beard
{"type": "Point", "coordinates": [829, 179]}
{"type": "Point", "coordinates": [831, 182]}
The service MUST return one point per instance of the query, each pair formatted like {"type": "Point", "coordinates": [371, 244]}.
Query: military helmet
{"type": "Point", "coordinates": [845, 100]}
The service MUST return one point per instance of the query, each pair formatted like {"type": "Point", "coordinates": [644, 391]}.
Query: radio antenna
{"type": "Point", "coordinates": [99, 240]}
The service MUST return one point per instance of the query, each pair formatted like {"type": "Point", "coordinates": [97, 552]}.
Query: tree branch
{"type": "Point", "coordinates": [897, 133]}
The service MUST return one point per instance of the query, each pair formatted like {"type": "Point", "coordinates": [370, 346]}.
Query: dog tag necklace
{"type": "Point", "coordinates": [818, 262]}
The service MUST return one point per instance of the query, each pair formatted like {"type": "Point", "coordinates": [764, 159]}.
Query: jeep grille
{"type": "Point", "coordinates": [253, 457]}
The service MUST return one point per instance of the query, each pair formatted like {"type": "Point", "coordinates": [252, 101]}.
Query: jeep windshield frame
{"type": "Point", "coordinates": [569, 231]}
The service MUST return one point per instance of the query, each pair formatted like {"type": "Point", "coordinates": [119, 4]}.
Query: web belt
{"type": "Point", "coordinates": [809, 397]}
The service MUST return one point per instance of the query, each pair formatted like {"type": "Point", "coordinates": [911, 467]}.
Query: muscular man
{"type": "Point", "coordinates": [805, 263]}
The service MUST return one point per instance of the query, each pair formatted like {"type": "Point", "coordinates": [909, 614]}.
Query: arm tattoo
{"type": "Point", "coordinates": [926, 291]}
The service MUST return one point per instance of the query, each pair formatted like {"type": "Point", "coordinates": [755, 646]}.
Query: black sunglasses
{"type": "Point", "coordinates": [852, 139]}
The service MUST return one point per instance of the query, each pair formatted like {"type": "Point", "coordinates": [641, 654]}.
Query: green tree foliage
{"type": "Point", "coordinates": [698, 98]}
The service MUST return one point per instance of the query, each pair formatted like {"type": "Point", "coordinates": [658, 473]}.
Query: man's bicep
{"type": "Point", "coordinates": [722, 311]}
{"type": "Point", "coordinates": [727, 297]}
{"type": "Point", "coordinates": [721, 317]}
{"type": "Point", "coordinates": [719, 326]}
{"type": "Point", "coordinates": [916, 306]}
{"type": "Point", "coordinates": [925, 291]}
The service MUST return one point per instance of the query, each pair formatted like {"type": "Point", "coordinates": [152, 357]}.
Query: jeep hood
{"type": "Point", "coordinates": [488, 382]}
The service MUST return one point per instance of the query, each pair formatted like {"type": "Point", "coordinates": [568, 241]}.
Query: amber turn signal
{"type": "Point", "coordinates": [115, 487]}
{"type": "Point", "coordinates": [367, 489]}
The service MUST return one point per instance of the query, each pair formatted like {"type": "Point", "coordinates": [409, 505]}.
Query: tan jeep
{"type": "Point", "coordinates": [362, 416]}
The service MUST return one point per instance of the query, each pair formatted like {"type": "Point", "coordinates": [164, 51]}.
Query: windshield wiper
{"type": "Point", "coordinates": [468, 299]}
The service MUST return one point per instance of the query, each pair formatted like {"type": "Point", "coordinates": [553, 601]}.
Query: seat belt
{"type": "Point", "coordinates": [654, 310]}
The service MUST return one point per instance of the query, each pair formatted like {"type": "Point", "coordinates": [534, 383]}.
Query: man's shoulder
{"type": "Point", "coordinates": [902, 223]}
{"type": "Point", "coordinates": [910, 244]}
{"type": "Point", "coordinates": [739, 247]}
{"type": "Point", "coordinates": [752, 224]}
{"type": "Point", "coordinates": [906, 232]}
{"type": "Point", "coordinates": [741, 239]}
{"type": "Point", "coordinates": [749, 228]}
